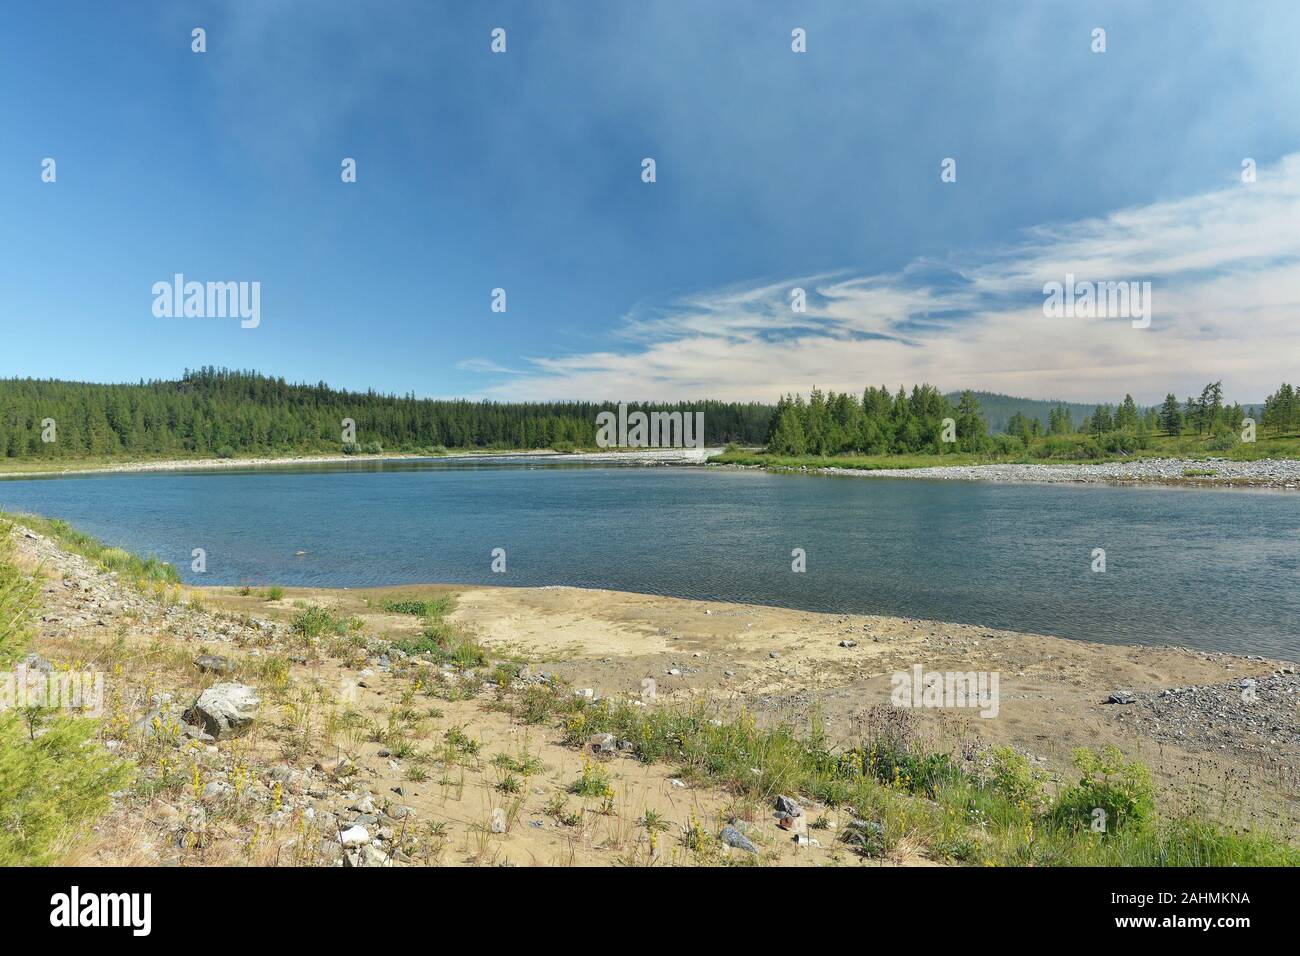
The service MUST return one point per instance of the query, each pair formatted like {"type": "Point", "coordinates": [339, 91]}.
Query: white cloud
{"type": "Point", "coordinates": [1224, 268]}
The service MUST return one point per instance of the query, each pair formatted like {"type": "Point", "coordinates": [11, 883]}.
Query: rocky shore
{"type": "Point", "coordinates": [1266, 473]}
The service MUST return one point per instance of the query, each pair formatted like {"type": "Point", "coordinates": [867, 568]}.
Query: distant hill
{"type": "Point", "coordinates": [998, 409]}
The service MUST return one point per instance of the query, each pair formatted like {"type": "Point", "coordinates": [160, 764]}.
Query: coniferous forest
{"type": "Point", "coordinates": [223, 413]}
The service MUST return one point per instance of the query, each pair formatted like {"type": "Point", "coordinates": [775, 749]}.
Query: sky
{"type": "Point", "coordinates": [774, 170]}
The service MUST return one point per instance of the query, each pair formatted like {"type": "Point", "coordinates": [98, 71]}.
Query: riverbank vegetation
{"type": "Point", "coordinates": [986, 807]}
{"type": "Point", "coordinates": [54, 777]}
{"type": "Point", "coordinates": [143, 572]}
{"type": "Point", "coordinates": [925, 428]}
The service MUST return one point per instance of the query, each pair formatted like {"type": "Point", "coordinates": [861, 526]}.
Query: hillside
{"type": "Point", "coordinates": [998, 409]}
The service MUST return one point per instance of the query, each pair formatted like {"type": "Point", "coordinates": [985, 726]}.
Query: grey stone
{"type": "Point", "coordinates": [214, 664]}
{"type": "Point", "coordinates": [224, 710]}
{"type": "Point", "coordinates": [733, 837]}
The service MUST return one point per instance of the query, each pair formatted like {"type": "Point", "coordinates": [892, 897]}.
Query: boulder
{"type": "Point", "coordinates": [224, 710]}
{"type": "Point", "coordinates": [788, 806]}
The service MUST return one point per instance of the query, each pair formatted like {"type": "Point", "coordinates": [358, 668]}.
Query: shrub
{"type": "Point", "coordinates": [1007, 444]}
{"type": "Point", "coordinates": [54, 778]}
{"type": "Point", "coordinates": [1123, 791]}
{"type": "Point", "coordinates": [1012, 776]}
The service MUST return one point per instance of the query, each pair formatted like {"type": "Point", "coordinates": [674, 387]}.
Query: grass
{"type": "Point", "coordinates": [54, 779]}
{"type": "Point", "coordinates": [994, 810]}
{"type": "Point", "coordinates": [313, 622]}
{"type": "Point", "coordinates": [139, 571]}
{"type": "Point", "coordinates": [439, 641]}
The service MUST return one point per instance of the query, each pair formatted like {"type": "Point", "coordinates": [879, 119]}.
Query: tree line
{"type": "Point", "coordinates": [924, 421]}
{"type": "Point", "coordinates": [878, 423]}
{"type": "Point", "coordinates": [220, 412]}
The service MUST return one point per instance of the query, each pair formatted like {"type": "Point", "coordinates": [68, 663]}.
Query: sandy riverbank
{"type": "Point", "coordinates": [648, 456]}
{"type": "Point", "coordinates": [335, 695]}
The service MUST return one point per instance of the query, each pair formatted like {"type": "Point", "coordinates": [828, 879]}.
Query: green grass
{"type": "Point", "coordinates": [139, 571]}
{"type": "Point", "coordinates": [433, 607]}
{"type": "Point", "coordinates": [439, 641]}
{"type": "Point", "coordinates": [994, 811]}
{"type": "Point", "coordinates": [313, 622]}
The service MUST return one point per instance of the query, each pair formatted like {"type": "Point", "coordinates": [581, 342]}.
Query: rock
{"type": "Point", "coordinates": [365, 805]}
{"type": "Point", "coordinates": [224, 710]}
{"type": "Point", "coordinates": [354, 836]}
{"type": "Point", "coordinates": [867, 835]}
{"type": "Point", "coordinates": [774, 654]}
{"type": "Point", "coordinates": [338, 767]}
{"type": "Point", "coordinates": [366, 855]}
{"type": "Point", "coordinates": [848, 643]}
{"type": "Point", "coordinates": [498, 821]}
{"type": "Point", "coordinates": [788, 806]}
{"type": "Point", "coordinates": [1121, 697]}
{"type": "Point", "coordinates": [34, 662]}
{"type": "Point", "coordinates": [734, 838]}
{"type": "Point", "coordinates": [216, 791]}
{"type": "Point", "coordinates": [601, 743]}
{"type": "Point", "coordinates": [214, 664]}
{"type": "Point", "coordinates": [282, 774]}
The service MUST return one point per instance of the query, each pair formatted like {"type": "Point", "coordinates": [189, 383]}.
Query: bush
{"type": "Point", "coordinates": [1122, 790]}
{"type": "Point", "coordinates": [1013, 777]}
{"type": "Point", "coordinates": [54, 778]}
{"type": "Point", "coordinates": [1007, 444]}
{"type": "Point", "coordinates": [225, 451]}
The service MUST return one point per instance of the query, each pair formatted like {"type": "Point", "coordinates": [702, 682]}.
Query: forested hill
{"type": "Point", "coordinates": [998, 409]}
{"type": "Point", "coordinates": [226, 413]}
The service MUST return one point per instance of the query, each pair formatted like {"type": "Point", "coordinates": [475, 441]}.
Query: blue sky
{"type": "Point", "coordinates": [774, 169]}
